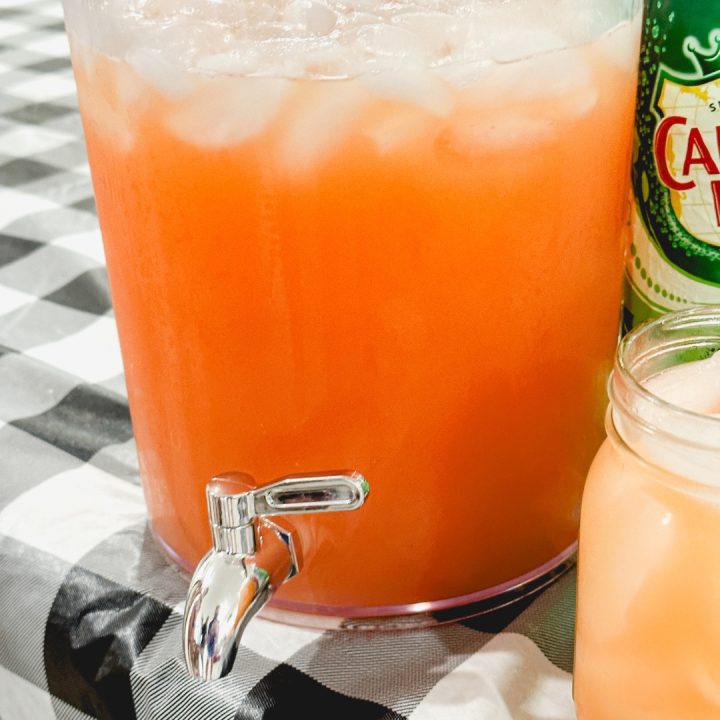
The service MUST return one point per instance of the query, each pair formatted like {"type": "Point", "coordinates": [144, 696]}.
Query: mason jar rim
{"type": "Point", "coordinates": [625, 372]}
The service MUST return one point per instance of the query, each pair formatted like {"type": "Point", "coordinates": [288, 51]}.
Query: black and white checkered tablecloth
{"type": "Point", "coordinates": [90, 613]}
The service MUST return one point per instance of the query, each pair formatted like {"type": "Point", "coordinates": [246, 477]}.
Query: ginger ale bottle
{"type": "Point", "coordinates": [674, 257]}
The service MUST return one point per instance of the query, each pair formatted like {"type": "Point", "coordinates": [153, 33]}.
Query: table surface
{"type": "Point", "coordinates": [90, 613]}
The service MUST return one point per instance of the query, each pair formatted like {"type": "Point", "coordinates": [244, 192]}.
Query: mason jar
{"type": "Point", "coordinates": [649, 565]}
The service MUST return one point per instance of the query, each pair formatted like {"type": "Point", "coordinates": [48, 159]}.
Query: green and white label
{"type": "Point", "coordinates": [674, 259]}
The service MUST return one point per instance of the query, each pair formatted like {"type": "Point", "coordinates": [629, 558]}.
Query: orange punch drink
{"type": "Point", "coordinates": [385, 237]}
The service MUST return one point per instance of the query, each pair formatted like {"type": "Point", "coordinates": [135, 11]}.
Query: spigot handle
{"type": "Point", "coordinates": [311, 494]}
{"type": "Point", "coordinates": [233, 501]}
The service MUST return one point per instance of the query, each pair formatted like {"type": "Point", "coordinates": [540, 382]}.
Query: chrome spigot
{"type": "Point", "coordinates": [251, 557]}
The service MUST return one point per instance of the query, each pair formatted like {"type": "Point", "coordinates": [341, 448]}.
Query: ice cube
{"type": "Point", "coordinates": [370, 6]}
{"type": "Point", "coordinates": [524, 42]}
{"type": "Point", "coordinates": [171, 79]}
{"type": "Point", "coordinates": [361, 5]}
{"type": "Point", "coordinates": [567, 81]}
{"type": "Point", "coordinates": [296, 57]}
{"type": "Point", "coordinates": [310, 18]}
{"type": "Point", "coordinates": [694, 386]}
{"type": "Point", "coordinates": [621, 46]}
{"type": "Point", "coordinates": [464, 73]}
{"type": "Point", "coordinates": [399, 129]}
{"type": "Point", "coordinates": [226, 111]}
{"type": "Point", "coordinates": [472, 138]}
{"type": "Point", "coordinates": [581, 21]}
{"type": "Point", "coordinates": [413, 85]}
{"type": "Point", "coordinates": [381, 41]}
{"type": "Point", "coordinates": [321, 20]}
{"type": "Point", "coordinates": [328, 113]}
{"type": "Point", "coordinates": [128, 88]}
{"type": "Point", "coordinates": [555, 85]}
{"type": "Point", "coordinates": [113, 99]}
{"type": "Point", "coordinates": [243, 59]}
{"type": "Point", "coordinates": [440, 34]}
{"type": "Point", "coordinates": [506, 33]}
{"type": "Point", "coordinates": [218, 12]}
{"type": "Point", "coordinates": [329, 60]}
{"type": "Point", "coordinates": [545, 74]}
{"type": "Point", "coordinates": [110, 121]}
{"type": "Point", "coordinates": [153, 9]}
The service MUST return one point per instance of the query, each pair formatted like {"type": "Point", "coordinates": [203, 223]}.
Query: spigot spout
{"type": "Point", "coordinates": [251, 558]}
{"type": "Point", "coordinates": [226, 592]}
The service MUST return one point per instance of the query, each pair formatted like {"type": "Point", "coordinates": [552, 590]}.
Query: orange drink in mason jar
{"type": "Point", "coordinates": [649, 568]}
{"type": "Point", "coordinates": [378, 236]}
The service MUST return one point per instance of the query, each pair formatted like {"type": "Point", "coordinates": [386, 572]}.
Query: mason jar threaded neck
{"type": "Point", "coordinates": [679, 439]}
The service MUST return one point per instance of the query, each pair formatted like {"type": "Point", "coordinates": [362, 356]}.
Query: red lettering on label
{"type": "Point", "coordinates": [703, 157]}
{"type": "Point", "coordinates": [661, 138]}
{"type": "Point", "coordinates": [715, 185]}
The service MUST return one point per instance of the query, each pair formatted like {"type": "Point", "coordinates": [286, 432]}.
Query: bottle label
{"type": "Point", "coordinates": [674, 258]}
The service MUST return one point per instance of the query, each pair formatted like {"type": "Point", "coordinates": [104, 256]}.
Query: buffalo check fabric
{"type": "Point", "coordinates": [90, 612]}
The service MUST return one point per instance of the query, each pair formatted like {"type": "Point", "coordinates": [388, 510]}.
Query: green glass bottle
{"type": "Point", "coordinates": [674, 257]}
